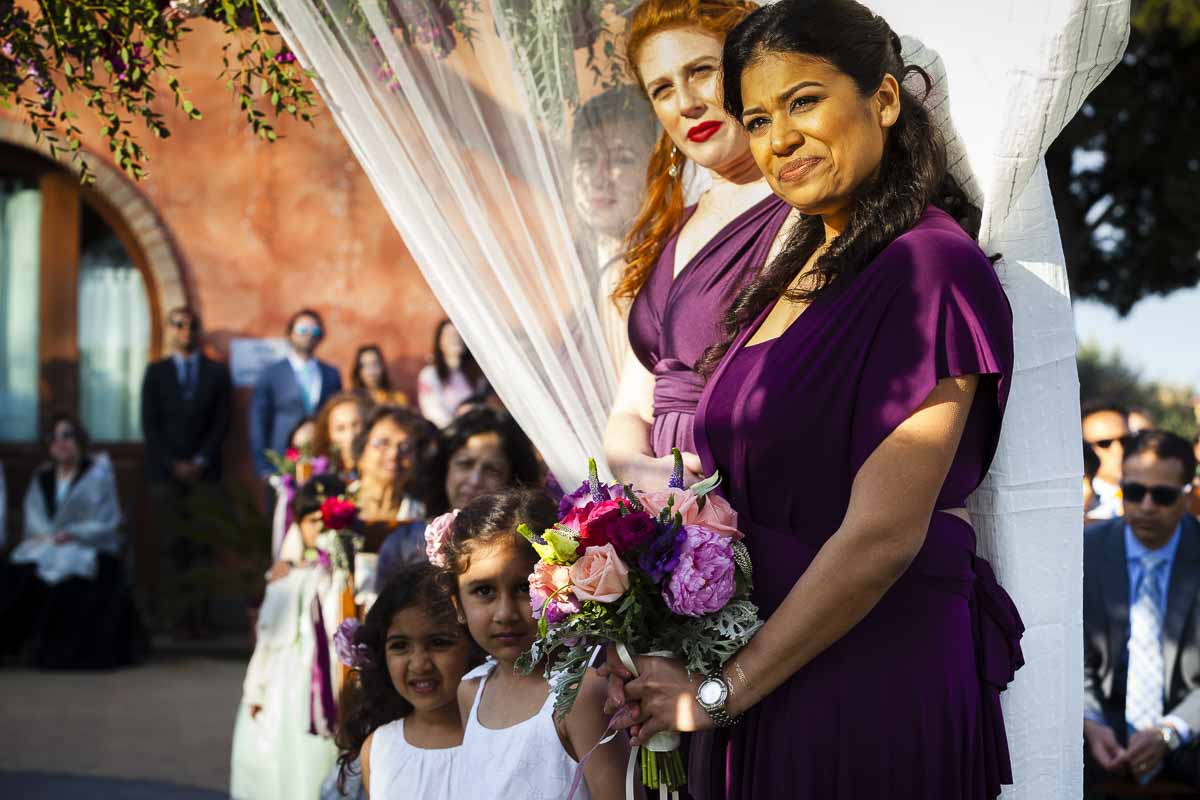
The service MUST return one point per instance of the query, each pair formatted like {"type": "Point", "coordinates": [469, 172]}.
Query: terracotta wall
{"type": "Point", "coordinates": [263, 229]}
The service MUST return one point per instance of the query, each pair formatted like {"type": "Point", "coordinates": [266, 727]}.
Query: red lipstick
{"type": "Point", "coordinates": [704, 131]}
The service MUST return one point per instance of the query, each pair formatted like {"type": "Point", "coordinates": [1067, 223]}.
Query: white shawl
{"type": "Point", "coordinates": [90, 512]}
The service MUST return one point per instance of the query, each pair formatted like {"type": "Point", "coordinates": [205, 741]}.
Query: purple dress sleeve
{"type": "Point", "coordinates": [947, 316]}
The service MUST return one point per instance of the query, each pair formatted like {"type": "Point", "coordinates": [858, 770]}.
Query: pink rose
{"type": "Point", "coordinates": [600, 575]}
{"type": "Point", "coordinates": [437, 534]}
{"type": "Point", "coordinates": [717, 515]}
{"type": "Point", "coordinates": [549, 580]}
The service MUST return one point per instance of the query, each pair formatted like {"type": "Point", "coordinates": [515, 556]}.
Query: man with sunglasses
{"type": "Point", "coordinates": [1141, 619]}
{"type": "Point", "coordinates": [1105, 425]}
{"type": "Point", "coordinates": [186, 402]}
{"type": "Point", "coordinates": [290, 389]}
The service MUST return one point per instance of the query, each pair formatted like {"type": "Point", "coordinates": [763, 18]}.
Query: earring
{"type": "Point", "coordinates": [674, 170]}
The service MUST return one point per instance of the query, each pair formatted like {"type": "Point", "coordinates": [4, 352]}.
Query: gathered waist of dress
{"type": "Point", "coordinates": [677, 387]}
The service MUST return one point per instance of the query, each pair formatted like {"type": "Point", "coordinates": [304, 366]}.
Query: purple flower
{"type": "Point", "coordinates": [662, 556]}
{"type": "Point", "coordinates": [285, 57]}
{"type": "Point", "coordinates": [583, 495]}
{"type": "Point", "coordinates": [350, 652]}
{"type": "Point", "coordinates": [703, 581]}
{"type": "Point", "coordinates": [438, 533]}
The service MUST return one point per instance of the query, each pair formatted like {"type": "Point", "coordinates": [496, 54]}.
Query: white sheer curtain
{"type": "Point", "coordinates": [466, 150]}
{"type": "Point", "coordinates": [20, 268]}
{"type": "Point", "coordinates": [114, 341]}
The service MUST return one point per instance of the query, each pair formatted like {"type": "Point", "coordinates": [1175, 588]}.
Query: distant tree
{"type": "Point", "coordinates": [1108, 376]}
{"type": "Point", "coordinates": [1126, 170]}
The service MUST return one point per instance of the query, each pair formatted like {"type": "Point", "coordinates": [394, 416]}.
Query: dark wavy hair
{"type": "Point", "coordinates": [370, 700]}
{"type": "Point", "coordinates": [494, 518]}
{"type": "Point", "coordinates": [912, 174]}
{"type": "Point", "coordinates": [467, 365]}
{"type": "Point", "coordinates": [522, 458]}
{"type": "Point", "coordinates": [356, 379]}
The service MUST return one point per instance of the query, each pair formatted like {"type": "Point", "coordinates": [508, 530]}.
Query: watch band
{"type": "Point", "coordinates": [717, 711]}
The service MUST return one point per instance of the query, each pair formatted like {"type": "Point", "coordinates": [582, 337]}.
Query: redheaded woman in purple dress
{"type": "Point", "coordinates": [855, 405]}
{"type": "Point", "coordinates": [684, 266]}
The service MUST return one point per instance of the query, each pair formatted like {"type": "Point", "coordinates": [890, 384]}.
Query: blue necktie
{"type": "Point", "coordinates": [1144, 688]}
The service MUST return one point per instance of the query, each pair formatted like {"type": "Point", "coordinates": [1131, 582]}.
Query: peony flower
{"type": "Point", "coordinates": [703, 580]}
{"type": "Point", "coordinates": [437, 534]}
{"type": "Point", "coordinates": [551, 580]}
{"type": "Point", "coordinates": [338, 514]}
{"type": "Point", "coordinates": [600, 575]}
{"type": "Point", "coordinates": [717, 515]}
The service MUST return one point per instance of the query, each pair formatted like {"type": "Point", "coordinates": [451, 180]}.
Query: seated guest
{"type": "Point", "coordinates": [64, 591]}
{"type": "Point", "coordinates": [1105, 424]}
{"type": "Point", "coordinates": [485, 398]}
{"type": "Point", "coordinates": [370, 378]}
{"type": "Point", "coordinates": [338, 425]}
{"type": "Point", "coordinates": [1141, 575]}
{"type": "Point", "coordinates": [450, 379]}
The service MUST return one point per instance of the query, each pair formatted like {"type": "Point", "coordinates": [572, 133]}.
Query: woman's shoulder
{"type": "Point", "coordinates": [428, 375]}
{"type": "Point", "coordinates": [933, 254]}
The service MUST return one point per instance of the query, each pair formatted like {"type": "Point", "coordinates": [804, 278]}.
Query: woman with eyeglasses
{"type": "Point", "coordinates": [64, 591]}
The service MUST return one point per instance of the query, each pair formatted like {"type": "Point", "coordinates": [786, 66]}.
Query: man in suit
{"type": "Point", "coordinates": [1141, 621]}
{"type": "Point", "coordinates": [290, 389]}
{"type": "Point", "coordinates": [186, 401]}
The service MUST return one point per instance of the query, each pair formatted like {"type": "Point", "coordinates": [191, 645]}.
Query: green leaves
{"type": "Point", "coordinates": [54, 47]}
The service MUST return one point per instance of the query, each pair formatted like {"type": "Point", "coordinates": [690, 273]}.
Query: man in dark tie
{"type": "Point", "coordinates": [1141, 621]}
{"type": "Point", "coordinates": [186, 400]}
{"type": "Point", "coordinates": [290, 389]}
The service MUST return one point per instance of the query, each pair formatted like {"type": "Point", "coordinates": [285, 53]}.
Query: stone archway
{"type": "Point", "coordinates": [133, 217]}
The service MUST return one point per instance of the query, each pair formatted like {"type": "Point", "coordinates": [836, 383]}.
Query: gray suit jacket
{"type": "Point", "coordinates": [277, 406]}
{"type": "Point", "coordinates": [1106, 625]}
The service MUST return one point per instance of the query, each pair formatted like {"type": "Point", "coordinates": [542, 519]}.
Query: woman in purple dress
{"type": "Point", "coordinates": [684, 266]}
{"type": "Point", "coordinates": [855, 406]}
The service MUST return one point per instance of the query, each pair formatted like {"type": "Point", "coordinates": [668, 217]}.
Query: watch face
{"type": "Point", "coordinates": [711, 693]}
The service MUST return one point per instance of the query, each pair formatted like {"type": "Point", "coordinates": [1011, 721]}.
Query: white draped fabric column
{"type": "Point", "coordinates": [20, 268]}
{"type": "Point", "coordinates": [465, 150]}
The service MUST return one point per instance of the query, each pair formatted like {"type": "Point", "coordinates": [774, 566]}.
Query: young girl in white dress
{"type": "Point", "coordinates": [282, 748]}
{"type": "Point", "coordinates": [403, 727]}
{"type": "Point", "coordinates": [513, 747]}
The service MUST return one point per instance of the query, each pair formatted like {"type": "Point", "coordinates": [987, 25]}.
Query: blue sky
{"type": "Point", "coordinates": [1161, 335]}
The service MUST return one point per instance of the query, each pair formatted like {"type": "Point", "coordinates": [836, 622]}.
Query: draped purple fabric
{"type": "Point", "coordinates": [674, 320]}
{"type": "Point", "coordinates": [906, 704]}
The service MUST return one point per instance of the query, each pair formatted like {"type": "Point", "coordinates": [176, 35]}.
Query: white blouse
{"type": "Point", "coordinates": [400, 770]}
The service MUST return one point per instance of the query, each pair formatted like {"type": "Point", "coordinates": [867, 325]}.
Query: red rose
{"type": "Point", "coordinates": [292, 454]}
{"type": "Point", "coordinates": [632, 531]}
{"type": "Point", "coordinates": [338, 514]}
{"type": "Point", "coordinates": [598, 519]}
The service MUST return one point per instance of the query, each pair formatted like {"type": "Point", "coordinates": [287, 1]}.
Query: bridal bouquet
{"type": "Point", "coordinates": [653, 572]}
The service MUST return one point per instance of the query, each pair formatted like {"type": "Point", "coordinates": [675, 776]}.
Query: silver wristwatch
{"type": "Point", "coordinates": [1170, 737]}
{"type": "Point", "coordinates": [712, 694]}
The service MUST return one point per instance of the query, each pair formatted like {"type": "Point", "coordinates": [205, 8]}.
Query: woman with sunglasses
{"type": "Point", "coordinates": [64, 591]}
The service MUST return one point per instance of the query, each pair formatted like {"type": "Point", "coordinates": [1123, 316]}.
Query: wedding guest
{"type": "Point", "coordinates": [481, 452]}
{"type": "Point", "coordinates": [63, 592]}
{"type": "Point", "coordinates": [880, 339]}
{"type": "Point", "coordinates": [513, 744]}
{"type": "Point", "coordinates": [484, 398]}
{"type": "Point", "coordinates": [290, 389]}
{"type": "Point", "coordinates": [612, 137]}
{"type": "Point", "coordinates": [1091, 465]}
{"type": "Point", "coordinates": [1105, 425]}
{"type": "Point", "coordinates": [370, 378]}
{"type": "Point", "coordinates": [186, 402]}
{"type": "Point", "coordinates": [1194, 507]}
{"type": "Point", "coordinates": [684, 265]}
{"type": "Point", "coordinates": [3, 510]}
{"type": "Point", "coordinates": [1141, 625]}
{"type": "Point", "coordinates": [388, 455]}
{"type": "Point", "coordinates": [451, 378]}
{"type": "Point", "coordinates": [302, 435]}
{"type": "Point", "coordinates": [339, 423]}
{"type": "Point", "coordinates": [280, 748]}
